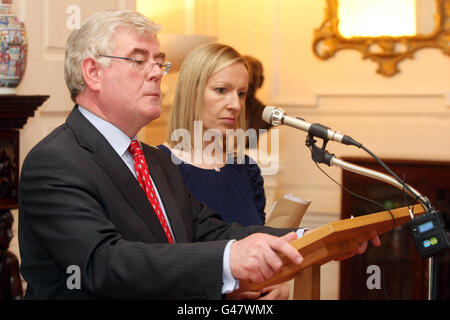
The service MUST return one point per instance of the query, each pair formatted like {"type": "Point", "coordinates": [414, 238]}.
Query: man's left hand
{"type": "Point", "coordinates": [276, 292]}
{"type": "Point", "coordinates": [361, 249]}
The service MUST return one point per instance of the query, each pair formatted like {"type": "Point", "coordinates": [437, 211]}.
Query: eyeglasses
{"type": "Point", "coordinates": [143, 65]}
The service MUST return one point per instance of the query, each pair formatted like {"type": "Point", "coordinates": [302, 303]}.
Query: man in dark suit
{"type": "Point", "coordinates": [81, 202]}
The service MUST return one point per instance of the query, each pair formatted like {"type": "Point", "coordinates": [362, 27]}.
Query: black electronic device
{"type": "Point", "coordinates": [429, 234]}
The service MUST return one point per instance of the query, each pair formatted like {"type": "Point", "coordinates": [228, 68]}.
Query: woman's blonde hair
{"type": "Point", "coordinates": [198, 66]}
{"type": "Point", "coordinates": [94, 38]}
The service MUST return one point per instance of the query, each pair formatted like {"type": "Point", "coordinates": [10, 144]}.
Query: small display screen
{"type": "Point", "coordinates": [425, 226]}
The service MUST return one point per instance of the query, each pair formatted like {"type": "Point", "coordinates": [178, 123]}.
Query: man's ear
{"type": "Point", "coordinates": [91, 73]}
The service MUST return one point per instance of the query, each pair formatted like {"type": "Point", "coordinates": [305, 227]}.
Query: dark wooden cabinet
{"type": "Point", "coordinates": [404, 273]}
{"type": "Point", "coordinates": [14, 113]}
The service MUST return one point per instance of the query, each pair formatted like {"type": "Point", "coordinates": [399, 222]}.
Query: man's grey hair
{"type": "Point", "coordinates": [94, 38]}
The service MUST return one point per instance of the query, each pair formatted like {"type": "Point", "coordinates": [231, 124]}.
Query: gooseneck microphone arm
{"type": "Point", "coordinates": [277, 116]}
{"type": "Point", "coordinates": [384, 178]}
{"type": "Point", "coordinates": [320, 155]}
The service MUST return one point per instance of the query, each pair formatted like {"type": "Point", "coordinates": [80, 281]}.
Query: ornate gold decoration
{"type": "Point", "coordinates": [387, 51]}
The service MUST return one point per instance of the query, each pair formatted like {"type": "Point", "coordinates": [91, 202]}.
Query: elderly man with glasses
{"type": "Point", "coordinates": [102, 215]}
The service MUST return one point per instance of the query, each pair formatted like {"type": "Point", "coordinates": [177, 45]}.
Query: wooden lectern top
{"type": "Point", "coordinates": [334, 240]}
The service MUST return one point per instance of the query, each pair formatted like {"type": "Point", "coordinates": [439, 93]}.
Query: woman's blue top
{"type": "Point", "coordinates": [236, 192]}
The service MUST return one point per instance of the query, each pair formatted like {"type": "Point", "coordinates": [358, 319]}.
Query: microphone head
{"type": "Point", "coordinates": [273, 115]}
{"type": "Point", "coordinates": [267, 114]}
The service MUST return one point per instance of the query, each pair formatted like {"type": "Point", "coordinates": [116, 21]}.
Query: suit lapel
{"type": "Point", "coordinates": [166, 196]}
{"type": "Point", "coordinates": [105, 156]}
{"type": "Point", "coordinates": [129, 186]}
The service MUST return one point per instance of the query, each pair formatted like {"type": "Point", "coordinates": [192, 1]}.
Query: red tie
{"type": "Point", "coordinates": [143, 176]}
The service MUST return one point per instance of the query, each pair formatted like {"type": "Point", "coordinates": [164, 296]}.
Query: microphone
{"type": "Point", "coordinates": [276, 116]}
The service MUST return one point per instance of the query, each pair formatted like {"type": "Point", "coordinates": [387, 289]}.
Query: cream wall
{"type": "Point", "coordinates": [406, 116]}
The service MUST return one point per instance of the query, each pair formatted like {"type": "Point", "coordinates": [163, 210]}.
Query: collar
{"type": "Point", "coordinates": [116, 137]}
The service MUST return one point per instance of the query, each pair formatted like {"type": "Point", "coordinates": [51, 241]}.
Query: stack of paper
{"type": "Point", "coordinates": [287, 212]}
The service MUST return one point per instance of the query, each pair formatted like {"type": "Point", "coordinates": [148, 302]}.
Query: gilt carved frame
{"type": "Point", "coordinates": [391, 50]}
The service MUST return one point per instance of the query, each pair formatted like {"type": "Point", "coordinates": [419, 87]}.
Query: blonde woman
{"type": "Point", "coordinates": [209, 102]}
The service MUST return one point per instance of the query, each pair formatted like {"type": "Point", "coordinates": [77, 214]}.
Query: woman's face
{"type": "Point", "coordinates": [224, 97]}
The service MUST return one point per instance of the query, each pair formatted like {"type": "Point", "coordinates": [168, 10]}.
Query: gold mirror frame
{"type": "Point", "coordinates": [392, 49]}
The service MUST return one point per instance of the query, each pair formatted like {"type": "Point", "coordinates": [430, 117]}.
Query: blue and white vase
{"type": "Point", "coordinates": [13, 49]}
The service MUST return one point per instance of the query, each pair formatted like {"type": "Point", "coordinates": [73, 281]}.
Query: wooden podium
{"type": "Point", "coordinates": [334, 240]}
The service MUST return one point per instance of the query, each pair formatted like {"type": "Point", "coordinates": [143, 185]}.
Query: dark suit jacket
{"type": "Point", "coordinates": [80, 205]}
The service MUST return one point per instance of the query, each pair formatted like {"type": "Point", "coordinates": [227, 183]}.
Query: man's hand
{"type": "Point", "coordinates": [361, 249]}
{"type": "Point", "coordinates": [276, 292]}
{"type": "Point", "coordinates": [257, 258]}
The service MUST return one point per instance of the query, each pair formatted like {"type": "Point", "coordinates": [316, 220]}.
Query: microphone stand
{"type": "Point", "coordinates": [320, 155]}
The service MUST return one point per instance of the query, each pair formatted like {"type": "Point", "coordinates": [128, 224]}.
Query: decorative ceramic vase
{"type": "Point", "coordinates": [13, 49]}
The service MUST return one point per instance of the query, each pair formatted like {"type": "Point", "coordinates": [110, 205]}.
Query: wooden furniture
{"type": "Point", "coordinates": [335, 240]}
{"type": "Point", "coordinates": [306, 284]}
{"type": "Point", "coordinates": [406, 274]}
{"type": "Point", "coordinates": [14, 112]}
